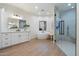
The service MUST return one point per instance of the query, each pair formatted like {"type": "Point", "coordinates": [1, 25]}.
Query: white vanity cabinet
{"type": "Point", "coordinates": [14, 38]}
{"type": "Point", "coordinates": [19, 38]}
{"type": "Point", "coordinates": [0, 41]}
{"type": "Point", "coordinates": [25, 37]}
{"type": "Point", "coordinates": [9, 39]}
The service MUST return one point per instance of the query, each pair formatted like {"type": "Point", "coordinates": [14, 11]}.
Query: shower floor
{"type": "Point", "coordinates": [67, 47]}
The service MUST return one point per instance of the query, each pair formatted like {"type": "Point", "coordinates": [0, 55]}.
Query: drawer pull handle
{"type": "Point", "coordinates": [19, 35]}
{"type": "Point", "coordinates": [6, 43]}
{"type": "Point", "coordinates": [6, 34]}
{"type": "Point", "coordinates": [6, 38]}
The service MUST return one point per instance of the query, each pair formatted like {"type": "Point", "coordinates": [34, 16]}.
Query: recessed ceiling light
{"type": "Point", "coordinates": [69, 4]}
{"type": "Point", "coordinates": [72, 7]}
{"type": "Point", "coordinates": [36, 7]}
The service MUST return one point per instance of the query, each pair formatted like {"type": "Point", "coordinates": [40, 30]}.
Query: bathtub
{"type": "Point", "coordinates": [42, 35]}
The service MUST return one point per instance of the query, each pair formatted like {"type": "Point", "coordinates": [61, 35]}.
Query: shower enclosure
{"type": "Point", "coordinates": [65, 27]}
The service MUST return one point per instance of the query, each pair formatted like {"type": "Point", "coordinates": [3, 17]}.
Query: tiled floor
{"type": "Point", "coordinates": [67, 47]}
{"type": "Point", "coordinates": [33, 48]}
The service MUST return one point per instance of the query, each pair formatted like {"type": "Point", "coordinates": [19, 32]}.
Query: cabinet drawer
{"type": "Point", "coordinates": [6, 39]}
{"type": "Point", "coordinates": [5, 44]}
{"type": "Point", "coordinates": [5, 34]}
{"type": "Point", "coordinates": [0, 45]}
{"type": "Point", "coordinates": [0, 40]}
{"type": "Point", "coordinates": [0, 36]}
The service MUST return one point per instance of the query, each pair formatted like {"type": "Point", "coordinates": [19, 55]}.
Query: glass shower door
{"type": "Point", "coordinates": [65, 29]}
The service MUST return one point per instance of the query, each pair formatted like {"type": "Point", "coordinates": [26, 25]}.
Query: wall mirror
{"type": "Point", "coordinates": [17, 25]}
{"type": "Point", "coordinates": [22, 25]}
{"type": "Point", "coordinates": [13, 25]}
{"type": "Point", "coordinates": [42, 26]}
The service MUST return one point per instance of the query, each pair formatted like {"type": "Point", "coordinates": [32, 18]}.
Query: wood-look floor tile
{"type": "Point", "coordinates": [33, 48]}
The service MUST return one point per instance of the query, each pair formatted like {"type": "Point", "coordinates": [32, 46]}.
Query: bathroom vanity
{"type": "Point", "coordinates": [12, 38]}
{"type": "Point", "coordinates": [13, 29]}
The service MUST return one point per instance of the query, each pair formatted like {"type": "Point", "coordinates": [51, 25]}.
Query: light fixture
{"type": "Point", "coordinates": [72, 7]}
{"type": "Point", "coordinates": [36, 7]}
{"type": "Point", "coordinates": [11, 23]}
{"type": "Point", "coordinates": [69, 4]}
{"type": "Point", "coordinates": [16, 17]}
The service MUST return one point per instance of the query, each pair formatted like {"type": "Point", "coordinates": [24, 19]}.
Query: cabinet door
{"type": "Point", "coordinates": [25, 37]}
{"type": "Point", "coordinates": [0, 45]}
{"type": "Point", "coordinates": [5, 44]}
{"type": "Point", "coordinates": [0, 39]}
{"type": "Point", "coordinates": [14, 38]}
{"type": "Point", "coordinates": [22, 38]}
{"type": "Point", "coordinates": [0, 42]}
{"type": "Point", "coordinates": [19, 37]}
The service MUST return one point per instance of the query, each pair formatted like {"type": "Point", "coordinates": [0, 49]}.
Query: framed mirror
{"type": "Point", "coordinates": [22, 24]}
{"type": "Point", "coordinates": [42, 26]}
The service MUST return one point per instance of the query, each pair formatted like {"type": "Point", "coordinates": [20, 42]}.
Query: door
{"type": "Point", "coordinates": [65, 29]}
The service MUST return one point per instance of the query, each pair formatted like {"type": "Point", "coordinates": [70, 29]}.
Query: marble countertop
{"type": "Point", "coordinates": [16, 32]}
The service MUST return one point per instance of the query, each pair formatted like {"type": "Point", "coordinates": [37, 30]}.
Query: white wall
{"type": "Point", "coordinates": [77, 47]}
{"type": "Point", "coordinates": [3, 21]}
{"type": "Point", "coordinates": [34, 24]}
{"type": "Point", "coordinates": [33, 20]}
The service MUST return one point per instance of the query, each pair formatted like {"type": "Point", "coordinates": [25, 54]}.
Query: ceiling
{"type": "Point", "coordinates": [36, 8]}
{"type": "Point", "coordinates": [65, 6]}
{"type": "Point", "coordinates": [41, 8]}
